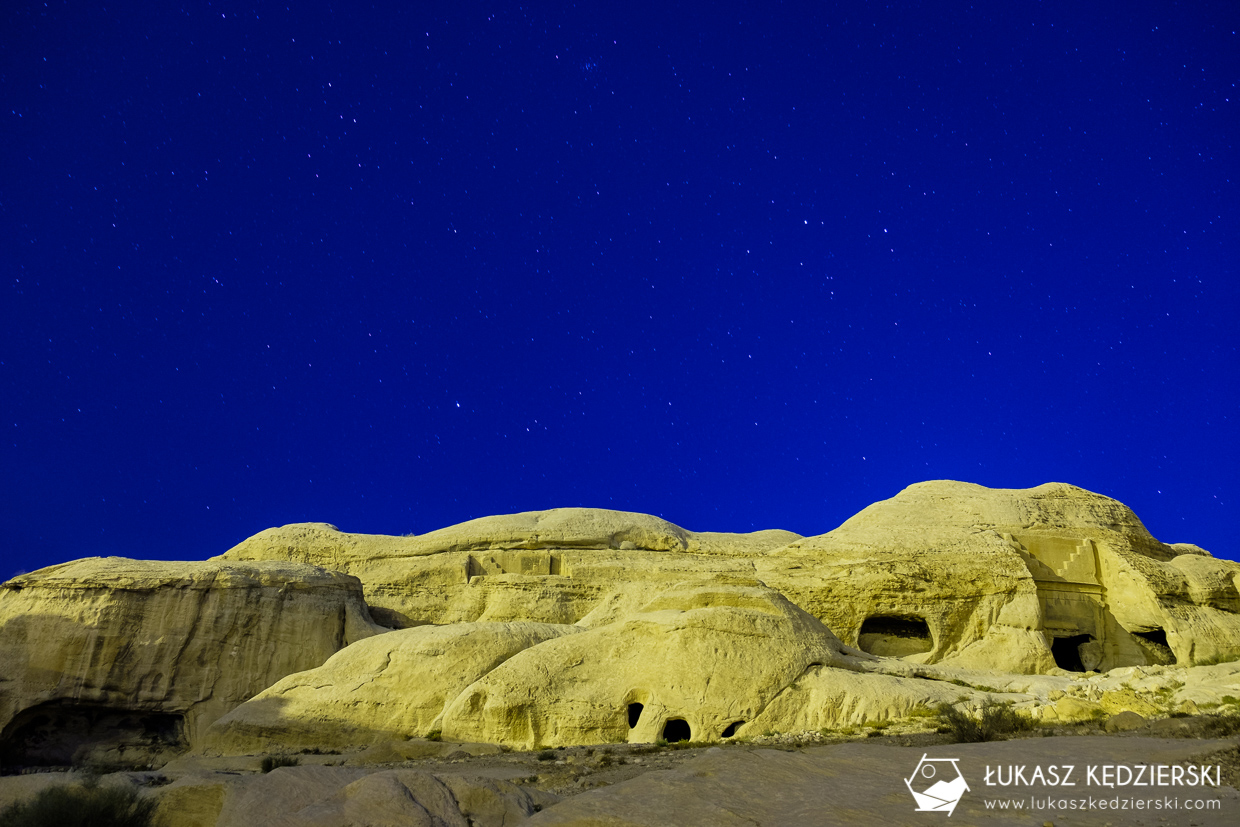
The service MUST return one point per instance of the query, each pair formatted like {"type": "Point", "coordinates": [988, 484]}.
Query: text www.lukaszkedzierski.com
{"type": "Point", "coordinates": [1037, 803]}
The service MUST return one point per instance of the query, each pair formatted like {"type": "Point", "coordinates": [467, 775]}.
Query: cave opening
{"type": "Point", "coordinates": [676, 729]}
{"type": "Point", "coordinates": [635, 714]}
{"type": "Point", "coordinates": [895, 636]}
{"type": "Point", "coordinates": [1067, 652]}
{"type": "Point", "coordinates": [732, 728]}
{"type": "Point", "coordinates": [1156, 642]}
{"type": "Point", "coordinates": [59, 734]}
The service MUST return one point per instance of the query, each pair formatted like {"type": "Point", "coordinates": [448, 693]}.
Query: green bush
{"type": "Point", "coordinates": [996, 721]}
{"type": "Point", "coordinates": [546, 755]}
{"type": "Point", "coordinates": [272, 762]}
{"type": "Point", "coordinates": [688, 744]}
{"type": "Point", "coordinates": [84, 805]}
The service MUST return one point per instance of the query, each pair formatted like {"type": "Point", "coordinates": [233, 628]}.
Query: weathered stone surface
{"type": "Point", "coordinates": [824, 698]}
{"type": "Point", "coordinates": [861, 785]}
{"type": "Point", "coordinates": [114, 659]}
{"type": "Point", "coordinates": [1124, 722]}
{"type": "Point", "coordinates": [563, 626]}
{"type": "Point", "coordinates": [1070, 710]}
{"type": "Point", "coordinates": [554, 566]}
{"type": "Point", "coordinates": [711, 656]}
{"type": "Point", "coordinates": [195, 800]}
{"type": "Point", "coordinates": [344, 797]}
{"type": "Point", "coordinates": [1014, 580]}
{"type": "Point", "coordinates": [1126, 700]}
{"type": "Point", "coordinates": [1025, 580]}
{"type": "Point", "coordinates": [389, 686]}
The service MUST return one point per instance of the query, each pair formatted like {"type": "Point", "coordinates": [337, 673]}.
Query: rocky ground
{"type": "Point", "coordinates": [806, 778]}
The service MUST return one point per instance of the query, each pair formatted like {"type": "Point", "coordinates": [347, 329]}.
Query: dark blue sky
{"type": "Point", "coordinates": [743, 266]}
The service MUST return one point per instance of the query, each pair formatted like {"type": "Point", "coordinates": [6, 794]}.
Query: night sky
{"type": "Point", "coordinates": [743, 266]}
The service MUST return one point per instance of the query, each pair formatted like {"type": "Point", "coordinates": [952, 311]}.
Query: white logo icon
{"type": "Point", "coordinates": [939, 785]}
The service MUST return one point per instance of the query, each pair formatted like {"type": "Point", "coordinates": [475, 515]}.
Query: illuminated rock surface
{"type": "Point", "coordinates": [583, 626]}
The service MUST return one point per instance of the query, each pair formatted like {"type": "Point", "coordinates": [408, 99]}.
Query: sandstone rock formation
{"type": "Point", "coordinates": [125, 660]}
{"type": "Point", "coordinates": [577, 626]}
{"type": "Point", "coordinates": [1013, 580]}
{"type": "Point", "coordinates": [694, 662]}
{"type": "Point", "coordinates": [391, 686]}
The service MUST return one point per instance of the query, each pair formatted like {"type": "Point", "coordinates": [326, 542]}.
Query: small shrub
{"type": "Point", "coordinates": [546, 755]}
{"type": "Point", "coordinates": [995, 721]}
{"type": "Point", "coordinates": [85, 805]}
{"type": "Point", "coordinates": [272, 762]}
{"type": "Point", "coordinates": [1217, 659]}
{"type": "Point", "coordinates": [876, 724]}
{"type": "Point", "coordinates": [1218, 726]}
{"type": "Point", "coordinates": [434, 735]}
{"type": "Point", "coordinates": [662, 742]}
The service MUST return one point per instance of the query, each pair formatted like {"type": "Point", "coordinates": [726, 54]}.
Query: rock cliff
{"type": "Point", "coordinates": [579, 626]}
{"type": "Point", "coordinates": [117, 660]}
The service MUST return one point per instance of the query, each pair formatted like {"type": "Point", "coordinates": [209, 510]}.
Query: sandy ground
{"type": "Point", "coordinates": [813, 779]}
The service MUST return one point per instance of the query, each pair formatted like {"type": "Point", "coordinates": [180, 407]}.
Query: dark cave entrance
{"type": "Point", "coordinates": [1067, 652]}
{"type": "Point", "coordinates": [635, 714]}
{"type": "Point", "coordinates": [58, 734]}
{"type": "Point", "coordinates": [732, 728]}
{"type": "Point", "coordinates": [1155, 642]}
{"type": "Point", "coordinates": [676, 729]}
{"type": "Point", "coordinates": [895, 636]}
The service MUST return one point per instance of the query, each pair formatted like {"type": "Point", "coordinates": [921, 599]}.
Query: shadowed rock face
{"type": "Point", "coordinates": [576, 626]}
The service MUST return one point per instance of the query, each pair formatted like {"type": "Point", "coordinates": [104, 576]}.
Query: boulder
{"type": "Point", "coordinates": [1123, 722]}
{"type": "Point", "coordinates": [1071, 710]}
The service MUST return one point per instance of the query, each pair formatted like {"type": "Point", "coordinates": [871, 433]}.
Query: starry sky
{"type": "Point", "coordinates": [741, 265]}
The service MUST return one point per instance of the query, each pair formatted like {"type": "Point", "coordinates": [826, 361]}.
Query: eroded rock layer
{"type": "Point", "coordinates": [577, 626]}
{"type": "Point", "coordinates": [113, 659]}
